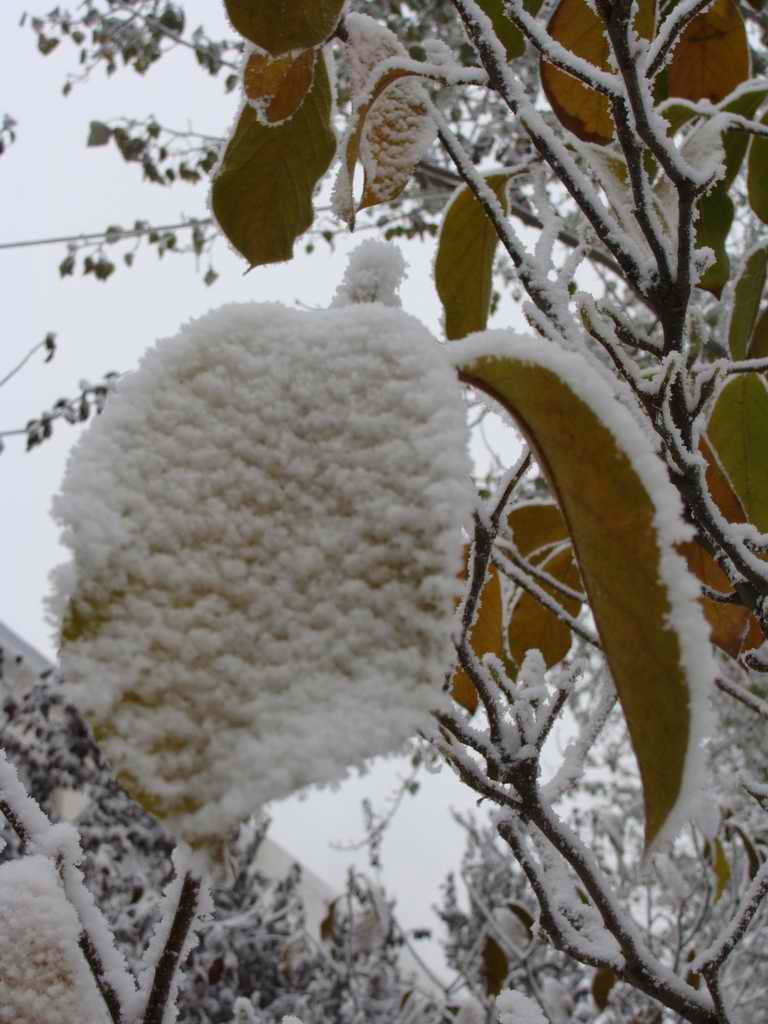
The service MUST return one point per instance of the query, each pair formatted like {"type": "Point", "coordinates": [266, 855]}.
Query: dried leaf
{"type": "Point", "coordinates": [276, 87]}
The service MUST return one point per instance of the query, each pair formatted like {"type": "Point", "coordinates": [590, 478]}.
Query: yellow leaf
{"type": "Point", "coordinates": [278, 27]}
{"type": "Point", "coordinates": [536, 525]}
{"type": "Point", "coordinates": [720, 867]}
{"type": "Point", "coordinates": [712, 56]}
{"type": "Point", "coordinates": [532, 625]}
{"type": "Point", "coordinates": [636, 584]}
{"type": "Point", "coordinates": [276, 87]}
{"type": "Point", "coordinates": [485, 636]}
{"type": "Point", "coordinates": [464, 262]}
{"type": "Point", "coordinates": [262, 194]}
{"type": "Point", "coordinates": [602, 983]}
{"type": "Point", "coordinates": [579, 108]}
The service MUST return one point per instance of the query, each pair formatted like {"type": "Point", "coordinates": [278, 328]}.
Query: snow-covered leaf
{"type": "Point", "coordinates": [390, 129]}
{"type": "Point", "coordinates": [278, 27]}
{"type": "Point", "coordinates": [616, 498]}
{"type": "Point", "coordinates": [262, 193]}
{"type": "Point", "coordinates": [265, 525]}
{"type": "Point", "coordinates": [464, 261]}
{"type": "Point", "coordinates": [44, 977]}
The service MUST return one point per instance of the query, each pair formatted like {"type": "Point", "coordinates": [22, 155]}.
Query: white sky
{"type": "Point", "coordinates": [50, 185]}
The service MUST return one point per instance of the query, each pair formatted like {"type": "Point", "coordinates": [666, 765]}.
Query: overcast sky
{"type": "Point", "coordinates": [51, 185]}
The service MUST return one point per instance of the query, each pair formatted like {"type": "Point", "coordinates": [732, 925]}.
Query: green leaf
{"type": "Point", "coordinates": [735, 143]}
{"type": "Point", "coordinates": [99, 134]}
{"type": "Point", "coordinates": [508, 34]}
{"type": "Point", "coordinates": [277, 26]}
{"type": "Point", "coordinates": [757, 174]}
{"type": "Point", "coordinates": [262, 195]}
{"type": "Point", "coordinates": [610, 514]}
{"type": "Point", "coordinates": [746, 302]}
{"type": "Point", "coordinates": [721, 868]}
{"type": "Point", "coordinates": [738, 431]}
{"type": "Point", "coordinates": [464, 262]}
{"type": "Point", "coordinates": [758, 348]}
{"type": "Point", "coordinates": [715, 220]}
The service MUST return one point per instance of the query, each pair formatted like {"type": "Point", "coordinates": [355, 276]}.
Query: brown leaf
{"type": "Point", "coordinates": [495, 966]}
{"type": "Point", "coordinates": [532, 625]}
{"type": "Point", "coordinates": [485, 637]}
{"type": "Point", "coordinates": [579, 108]}
{"type": "Point", "coordinates": [712, 56]}
{"type": "Point", "coordinates": [276, 87]}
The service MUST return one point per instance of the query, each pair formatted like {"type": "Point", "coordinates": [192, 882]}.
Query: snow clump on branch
{"type": "Point", "coordinates": [265, 526]}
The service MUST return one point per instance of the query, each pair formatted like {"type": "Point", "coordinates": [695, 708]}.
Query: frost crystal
{"type": "Point", "coordinates": [43, 974]}
{"type": "Point", "coordinates": [266, 533]}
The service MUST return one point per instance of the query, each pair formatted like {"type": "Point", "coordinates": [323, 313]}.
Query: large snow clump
{"type": "Point", "coordinates": [43, 975]}
{"type": "Point", "coordinates": [265, 526]}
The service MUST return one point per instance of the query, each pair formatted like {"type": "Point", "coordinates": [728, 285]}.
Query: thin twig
{"type": "Point", "coordinates": [168, 964]}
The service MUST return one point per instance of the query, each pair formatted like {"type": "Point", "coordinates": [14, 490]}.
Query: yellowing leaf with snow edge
{"type": "Point", "coordinates": [624, 519]}
{"type": "Point", "coordinates": [390, 130]}
{"type": "Point", "coordinates": [265, 526]}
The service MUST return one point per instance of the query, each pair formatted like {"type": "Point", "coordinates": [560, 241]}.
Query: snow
{"type": "Point", "coordinates": [685, 615]}
{"type": "Point", "coordinates": [265, 526]}
{"type": "Point", "coordinates": [43, 975]}
{"type": "Point", "coordinates": [374, 273]}
{"type": "Point", "coordinates": [516, 1008]}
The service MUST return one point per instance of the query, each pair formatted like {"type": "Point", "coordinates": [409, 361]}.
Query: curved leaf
{"type": "Point", "coordinates": [616, 498]}
{"type": "Point", "coordinates": [485, 637]}
{"type": "Point", "coordinates": [712, 55]}
{"type": "Point", "coordinates": [757, 174]}
{"type": "Point", "coordinates": [738, 431]}
{"type": "Point", "coordinates": [464, 261]}
{"type": "Point", "coordinates": [536, 525]}
{"type": "Point", "coordinates": [714, 225]}
{"type": "Point", "coordinates": [533, 625]}
{"type": "Point", "coordinates": [276, 87]}
{"type": "Point", "coordinates": [278, 27]}
{"type": "Point", "coordinates": [262, 194]}
{"type": "Point", "coordinates": [746, 301]}
{"type": "Point", "coordinates": [508, 34]}
{"type": "Point", "coordinates": [389, 134]}
{"type": "Point", "coordinates": [576, 26]}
